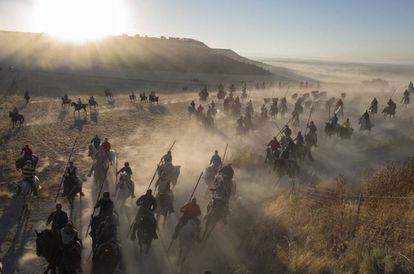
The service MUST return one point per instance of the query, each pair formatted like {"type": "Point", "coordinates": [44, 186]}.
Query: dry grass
{"type": "Point", "coordinates": [319, 230]}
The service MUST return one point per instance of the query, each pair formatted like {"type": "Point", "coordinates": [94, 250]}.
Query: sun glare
{"type": "Point", "coordinates": [80, 20]}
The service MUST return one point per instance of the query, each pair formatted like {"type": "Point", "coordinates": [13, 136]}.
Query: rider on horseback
{"type": "Point", "coordinates": [26, 153]}
{"type": "Point", "coordinates": [73, 176]}
{"type": "Point", "coordinates": [299, 139]}
{"type": "Point", "coordinates": [274, 144]}
{"type": "Point", "coordinates": [191, 211]}
{"type": "Point", "coordinates": [105, 205]}
{"type": "Point", "coordinates": [163, 185]}
{"type": "Point", "coordinates": [96, 141]}
{"type": "Point", "coordinates": [392, 105]}
{"type": "Point", "coordinates": [79, 103]}
{"type": "Point", "coordinates": [126, 168]}
{"type": "Point", "coordinates": [69, 240]}
{"type": "Point", "coordinates": [29, 172]}
{"type": "Point", "coordinates": [58, 218]}
{"type": "Point", "coordinates": [167, 158]}
{"type": "Point", "coordinates": [227, 172]}
{"type": "Point", "coordinates": [287, 131]}
{"type": "Point", "coordinates": [216, 161]}
{"type": "Point", "coordinates": [106, 148]}
{"type": "Point", "coordinates": [15, 111]}
{"type": "Point", "coordinates": [106, 233]}
{"type": "Point", "coordinates": [147, 205]}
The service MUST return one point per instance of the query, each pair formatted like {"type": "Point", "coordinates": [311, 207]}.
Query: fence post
{"type": "Point", "coordinates": [357, 216]}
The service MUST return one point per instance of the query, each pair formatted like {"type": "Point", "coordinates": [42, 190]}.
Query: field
{"type": "Point", "coordinates": [270, 230]}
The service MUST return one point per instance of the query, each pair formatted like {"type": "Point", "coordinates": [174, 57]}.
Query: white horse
{"type": "Point", "coordinates": [24, 191]}
{"type": "Point", "coordinates": [125, 188]}
{"type": "Point", "coordinates": [188, 237]}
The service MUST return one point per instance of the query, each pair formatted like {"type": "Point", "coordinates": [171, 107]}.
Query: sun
{"type": "Point", "coordinates": [80, 20]}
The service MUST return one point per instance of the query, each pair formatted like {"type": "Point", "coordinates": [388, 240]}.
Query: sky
{"type": "Point", "coordinates": [355, 30]}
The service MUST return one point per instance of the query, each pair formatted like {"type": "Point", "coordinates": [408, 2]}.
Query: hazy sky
{"type": "Point", "coordinates": [327, 29]}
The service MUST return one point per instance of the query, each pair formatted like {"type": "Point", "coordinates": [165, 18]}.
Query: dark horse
{"type": "Point", "coordinates": [132, 97]}
{"type": "Point", "coordinates": [216, 212]}
{"type": "Point", "coordinates": [144, 231]}
{"type": "Point", "coordinates": [78, 107]}
{"type": "Point", "coordinates": [108, 93]}
{"type": "Point", "coordinates": [66, 101]}
{"type": "Point", "coordinates": [153, 98]}
{"type": "Point", "coordinates": [164, 205]}
{"type": "Point", "coordinates": [143, 97]}
{"type": "Point", "coordinates": [70, 189]}
{"type": "Point", "coordinates": [107, 258]}
{"type": "Point", "coordinates": [47, 246]}
{"type": "Point", "coordinates": [93, 103]}
{"type": "Point", "coordinates": [16, 119]}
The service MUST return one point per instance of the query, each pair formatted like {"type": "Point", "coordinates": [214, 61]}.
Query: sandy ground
{"type": "Point", "coordinates": [141, 134]}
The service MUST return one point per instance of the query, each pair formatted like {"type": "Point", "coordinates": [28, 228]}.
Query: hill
{"type": "Point", "coordinates": [40, 51]}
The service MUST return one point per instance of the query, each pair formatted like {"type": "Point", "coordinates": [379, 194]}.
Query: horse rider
{"type": "Point", "coordinates": [106, 233]}
{"type": "Point", "coordinates": [392, 105]}
{"type": "Point", "coordinates": [213, 104]}
{"type": "Point", "coordinates": [192, 104]}
{"type": "Point", "coordinates": [126, 168]}
{"type": "Point", "coordinates": [147, 205]}
{"type": "Point", "coordinates": [216, 160]}
{"type": "Point", "coordinates": [365, 117]}
{"type": "Point", "coordinates": [227, 172]}
{"type": "Point", "coordinates": [96, 141]}
{"type": "Point", "coordinates": [299, 139]}
{"type": "Point", "coordinates": [374, 103]}
{"type": "Point", "coordinates": [347, 124]}
{"type": "Point", "coordinates": [334, 120]}
{"type": "Point", "coordinates": [69, 239]}
{"type": "Point", "coordinates": [312, 128]}
{"type": "Point", "coordinates": [287, 131]}
{"type": "Point", "coordinates": [406, 97]}
{"type": "Point", "coordinates": [26, 153]}
{"type": "Point", "coordinates": [73, 175]}
{"type": "Point", "coordinates": [105, 205]}
{"type": "Point", "coordinates": [164, 188]}
{"type": "Point", "coordinates": [167, 158]}
{"type": "Point", "coordinates": [274, 144]}
{"type": "Point", "coordinates": [200, 109]}
{"type": "Point", "coordinates": [58, 218]}
{"type": "Point", "coordinates": [65, 97]}
{"type": "Point", "coordinates": [92, 99]}
{"type": "Point", "coordinates": [28, 172]}
{"type": "Point", "coordinates": [15, 111]}
{"type": "Point", "coordinates": [79, 102]}
{"type": "Point", "coordinates": [106, 148]}
{"type": "Point", "coordinates": [191, 211]}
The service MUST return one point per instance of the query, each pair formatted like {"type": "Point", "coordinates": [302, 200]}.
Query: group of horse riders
{"type": "Point", "coordinates": [206, 118]}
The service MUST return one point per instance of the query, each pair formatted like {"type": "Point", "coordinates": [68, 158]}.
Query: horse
{"type": "Point", "coordinates": [209, 175]}
{"type": "Point", "coordinates": [92, 103]}
{"type": "Point", "coordinates": [71, 187]}
{"type": "Point", "coordinates": [27, 98]}
{"type": "Point", "coordinates": [221, 94]}
{"type": "Point", "coordinates": [143, 97]}
{"type": "Point", "coordinates": [191, 110]}
{"type": "Point", "coordinates": [144, 231]}
{"type": "Point", "coordinates": [217, 211]}
{"type": "Point", "coordinates": [188, 237]}
{"type": "Point", "coordinates": [286, 167]}
{"type": "Point", "coordinates": [16, 119]}
{"type": "Point", "coordinates": [164, 205]}
{"type": "Point", "coordinates": [47, 246]}
{"type": "Point", "coordinates": [101, 164]}
{"type": "Point", "coordinates": [108, 94]}
{"type": "Point", "coordinates": [107, 258]}
{"type": "Point", "coordinates": [66, 102]}
{"type": "Point", "coordinates": [365, 124]}
{"type": "Point", "coordinates": [345, 133]}
{"type": "Point", "coordinates": [389, 112]}
{"type": "Point", "coordinates": [331, 129]}
{"type": "Point", "coordinates": [311, 139]}
{"type": "Point", "coordinates": [78, 107]}
{"type": "Point", "coordinates": [132, 97]}
{"type": "Point", "coordinates": [173, 172]}
{"type": "Point", "coordinates": [124, 189]}
{"type": "Point", "coordinates": [92, 151]}
{"type": "Point", "coordinates": [22, 161]}
{"type": "Point", "coordinates": [373, 109]}
{"type": "Point", "coordinates": [153, 99]}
